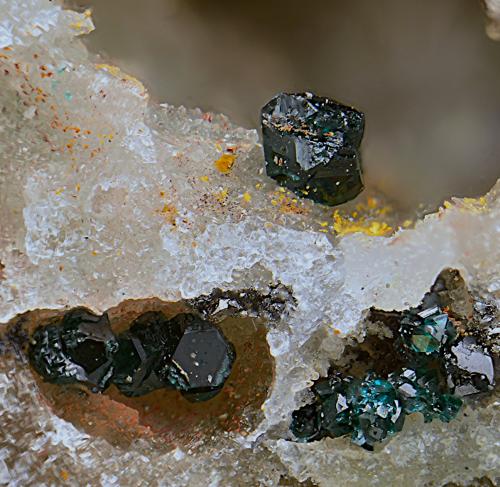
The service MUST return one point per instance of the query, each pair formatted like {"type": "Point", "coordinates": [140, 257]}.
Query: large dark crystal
{"type": "Point", "coordinates": [311, 146]}
{"type": "Point", "coordinates": [80, 349]}
{"type": "Point", "coordinates": [202, 360]}
{"type": "Point", "coordinates": [143, 350]}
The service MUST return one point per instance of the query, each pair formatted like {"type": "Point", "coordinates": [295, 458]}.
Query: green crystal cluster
{"type": "Point", "coordinates": [372, 408]}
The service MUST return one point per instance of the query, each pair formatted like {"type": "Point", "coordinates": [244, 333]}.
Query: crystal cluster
{"type": "Point", "coordinates": [372, 408]}
{"type": "Point", "coordinates": [311, 146]}
{"type": "Point", "coordinates": [185, 352]}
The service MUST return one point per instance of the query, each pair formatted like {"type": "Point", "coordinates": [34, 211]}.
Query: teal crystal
{"type": "Point", "coordinates": [428, 335]}
{"type": "Point", "coordinates": [373, 408]}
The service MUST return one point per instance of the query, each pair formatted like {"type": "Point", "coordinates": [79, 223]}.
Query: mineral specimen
{"type": "Point", "coordinates": [80, 349]}
{"type": "Point", "coordinates": [107, 197]}
{"type": "Point", "coordinates": [311, 146]}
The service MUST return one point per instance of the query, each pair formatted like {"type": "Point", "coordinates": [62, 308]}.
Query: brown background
{"type": "Point", "coordinates": [423, 71]}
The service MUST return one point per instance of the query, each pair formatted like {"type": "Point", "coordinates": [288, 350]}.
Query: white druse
{"type": "Point", "coordinates": [105, 197]}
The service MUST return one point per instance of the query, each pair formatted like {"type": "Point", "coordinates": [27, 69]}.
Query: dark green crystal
{"type": "Point", "coordinates": [79, 349]}
{"type": "Point", "coordinates": [201, 362]}
{"type": "Point", "coordinates": [311, 146]}
{"type": "Point", "coordinates": [429, 334]}
{"type": "Point", "coordinates": [143, 350]}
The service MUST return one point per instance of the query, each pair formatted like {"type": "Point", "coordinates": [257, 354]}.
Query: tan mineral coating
{"type": "Point", "coordinates": [106, 197]}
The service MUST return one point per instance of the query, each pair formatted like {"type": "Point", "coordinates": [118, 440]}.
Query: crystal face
{"type": "Point", "coordinates": [80, 349]}
{"type": "Point", "coordinates": [311, 146]}
{"type": "Point", "coordinates": [201, 362]}
{"type": "Point", "coordinates": [185, 352]}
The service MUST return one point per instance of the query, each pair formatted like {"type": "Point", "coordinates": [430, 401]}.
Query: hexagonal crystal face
{"type": "Point", "coordinates": [202, 361]}
{"type": "Point", "coordinates": [311, 146]}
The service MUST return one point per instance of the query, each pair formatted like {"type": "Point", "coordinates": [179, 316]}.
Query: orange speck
{"type": "Point", "coordinates": [170, 213]}
{"type": "Point", "coordinates": [64, 475]}
{"type": "Point", "coordinates": [336, 331]}
{"type": "Point", "coordinates": [225, 163]}
{"type": "Point", "coordinates": [162, 194]}
{"type": "Point", "coordinates": [61, 268]}
{"type": "Point", "coordinates": [94, 252]}
{"type": "Point", "coordinates": [77, 187]}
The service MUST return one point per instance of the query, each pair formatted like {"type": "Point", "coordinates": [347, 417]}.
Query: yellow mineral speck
{"type": "Point", "coordinates": [258, 186]}
{"type": "Point", "coordinates": [77, 187]}
{"type": "Point", "coordinates": [170, 213]}
{"type": "Point", "coordinates": [85, 25]}
{"type": "Point", "coordinates": [94, 252]}
{"type": "Point", "coordinates": [64, 475]}
{"type": "Point", "coordinates": [274, 202]}
{"type": "Point", "coordinates": [247, 197]}
{"type": "Point", "coordinates": [204, 179]}
{"type": "Point", "coordinates": [218, 147]}
{"type": "Point", "coordinates": [407, 223]}
{"type": "Point", "coordinates": [118, 73]}
{"type": "Point", "coordinates": [222, 196]}
{"type": "Point", "coordinates": [59, 191]}
{"type": "Point", "coordinates": [344, 226]}
{"type": "Point", "coordinates": [475, 205]}
{"type": "Point", "coordinates": [323, 224]}
{"type": "Point", "coordinates": [447, 205]}
{"type": "Point", "coordinates": [225, 163]}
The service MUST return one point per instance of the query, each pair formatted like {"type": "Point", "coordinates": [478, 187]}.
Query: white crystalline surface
{"type": "Point", "coordinates": [105, 196]}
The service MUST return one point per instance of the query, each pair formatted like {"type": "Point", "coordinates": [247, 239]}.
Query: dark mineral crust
{"type": "Point", "coordinates": [311, 146]}
{"type": "Point", "coordinates": [185, 352]}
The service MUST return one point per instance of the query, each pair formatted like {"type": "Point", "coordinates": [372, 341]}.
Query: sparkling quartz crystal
{"type": "Point", "coordinates": [311, 146]}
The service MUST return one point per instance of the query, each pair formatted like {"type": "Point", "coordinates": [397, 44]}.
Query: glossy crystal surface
{"type": "Point", "coordinates": [311, 146]}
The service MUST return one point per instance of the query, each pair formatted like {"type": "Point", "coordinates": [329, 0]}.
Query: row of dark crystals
{"type": "Point", "coordinates": [186, 353]}
{"type": "Point", "coordinates": [435, 368]}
